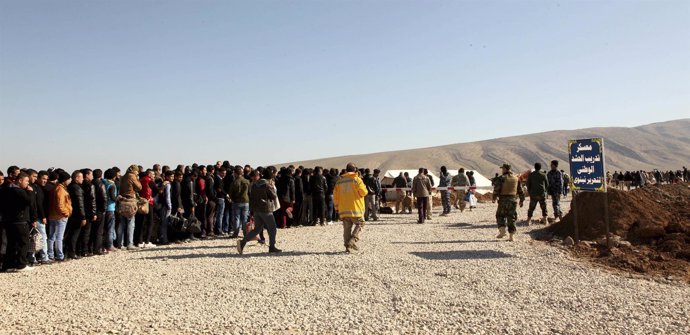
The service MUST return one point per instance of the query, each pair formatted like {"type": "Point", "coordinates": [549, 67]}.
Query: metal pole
{"type": "Point", "coordinates": [606, 219]}
{"type": "Point", "coordinates": [573, 208]}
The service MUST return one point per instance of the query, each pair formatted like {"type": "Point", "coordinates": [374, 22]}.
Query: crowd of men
{"type": "Point", "coordinates": [95, 212]}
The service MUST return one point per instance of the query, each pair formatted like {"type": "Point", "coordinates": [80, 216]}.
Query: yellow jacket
{"type": "Point", "coordinates": [348, 196]}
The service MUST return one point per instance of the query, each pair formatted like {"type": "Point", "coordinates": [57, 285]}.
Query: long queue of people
{"type": "Point", "coordinates": [94, 212]}
{"type": "Point", "coordinates": [634, 179]}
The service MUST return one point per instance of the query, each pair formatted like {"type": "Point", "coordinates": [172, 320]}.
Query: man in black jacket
{"type": "Point", "coordinates": [176, 194]}
{"type": "Point", "coordinates": [306, 210]}
{"type": "Point", "coordinates": [318, 187]}
{"type": "Point", "coordinates": [78, 218]}
{"type": "Point", "coordinates": [211, 201]}
{"type": "Point", "coordinates": [200, 191]}
{"type": "Point", "coordinates": [187, 193]}
{"type": "Point", "coordinates": [299, 197]}
{"type": "Point", "coordinates": [40, 180]}
{"type": "Point", "coordinates": [221, 196]}
{"type": "Point", "coordinates": [227, 184]}
{"type": "Point", "coordinates": [15, 207]}
{"type": "Point", "coordinates": [96, 240]}
{"type": "Point", "coordinates": [90, 209]}
{"type": "Point", "coordinates": [286, 196]}
{"type": "Point", "coordinates": [331, 178]}
{"type": "Point", "coordinates": [371, 200]}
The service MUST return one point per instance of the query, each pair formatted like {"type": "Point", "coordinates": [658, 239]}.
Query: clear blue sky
{"type": "Point", "coordinates": [102, 83]}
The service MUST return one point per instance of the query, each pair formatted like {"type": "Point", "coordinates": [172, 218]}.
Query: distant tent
{"type": "Point", "coordinates": [388, 177]}
{"type": "Point", "coordinates": [483, 183]}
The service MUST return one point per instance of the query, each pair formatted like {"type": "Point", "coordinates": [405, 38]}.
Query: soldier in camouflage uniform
{"type": "Point", "coordinates": [507, 189]}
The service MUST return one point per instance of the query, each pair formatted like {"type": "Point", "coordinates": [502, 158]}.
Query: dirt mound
{"type": "Point", "coordinates": [655, 220]}
{"type": "Point", "coordinates": [484, 198]}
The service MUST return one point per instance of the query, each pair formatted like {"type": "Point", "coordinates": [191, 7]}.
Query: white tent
{"type": "Point", "coordinates": [387, 178]}
{"type": "Point", "coordinates": [483, 183]}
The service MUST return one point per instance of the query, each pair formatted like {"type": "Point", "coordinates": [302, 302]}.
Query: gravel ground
{"type": "Point", "coordinates": [448, 276]}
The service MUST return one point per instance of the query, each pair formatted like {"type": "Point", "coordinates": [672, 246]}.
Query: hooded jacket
{"type": "Point", "coordinates": [262, 198]}
{"type": "Point", "coordinates": [130, 185]}
{"type": "Point", "coordinates": [348, 196]}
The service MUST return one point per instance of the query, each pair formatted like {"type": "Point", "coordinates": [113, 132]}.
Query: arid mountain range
{"type": "Point", "coordinates": [664, 146]}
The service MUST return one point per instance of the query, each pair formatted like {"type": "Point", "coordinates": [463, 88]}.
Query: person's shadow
{"type": "Point", "coordinates": [233, 254]}
{"type": "Point", "coordinates": [461, 254]}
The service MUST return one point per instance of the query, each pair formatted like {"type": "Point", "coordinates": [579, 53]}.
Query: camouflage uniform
{"type": "Point", "coordinates": [507, 189]}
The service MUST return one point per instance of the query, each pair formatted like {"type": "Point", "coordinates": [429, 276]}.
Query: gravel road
{"type": "Point", "coordinates": [449, 276]}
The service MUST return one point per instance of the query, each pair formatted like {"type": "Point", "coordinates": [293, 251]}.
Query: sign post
{"type": "Point", "coordinates": [588, 171]}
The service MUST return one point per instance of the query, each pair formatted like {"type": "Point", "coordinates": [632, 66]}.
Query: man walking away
{"type": "Point", "coordinates": [507, 187]}
{"type": "Point", "coordinates": [555, 179]}
{"type": "Point", "coordinates": [348, 197]}
{"type": "Point", "coordinates": [261, 202]}
{"type": "Point", "coordinates": [537, 184]}
{"type": "Point", "coordinates": [421, 188]}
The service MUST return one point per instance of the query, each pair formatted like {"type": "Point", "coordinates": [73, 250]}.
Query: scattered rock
{"type": "Point", "coordinates": [568, 241]}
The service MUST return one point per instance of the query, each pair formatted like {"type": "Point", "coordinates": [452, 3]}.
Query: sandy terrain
{"type": "Point", "coordinates": [449, 276]}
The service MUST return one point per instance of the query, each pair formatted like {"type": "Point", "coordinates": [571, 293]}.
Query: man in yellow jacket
{"type": "Point", "coordinates": [348, 197]}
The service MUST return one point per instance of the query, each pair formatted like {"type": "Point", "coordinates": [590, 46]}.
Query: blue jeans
{"type": "Point", "coordinates": [43, 253]}
{"type": "Point", "coordinates": [227, 213]}
{"type": "Point", "coordinates": [330, 208]}
{"type": "Point", "coordinates": [556, 203]}
{"type": "Point", "coordinates": [163, 227]}
{"type": "Point", "coordinates": [220, 213]}
{"type": "Point", "coordinates": [240, 217]}
{"type": "Point", "coordinates": [57, 234]}
{"type": "Point", "coordinates": [130, 231]}
{"type": "Point", "coordinates": [110, 235]}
